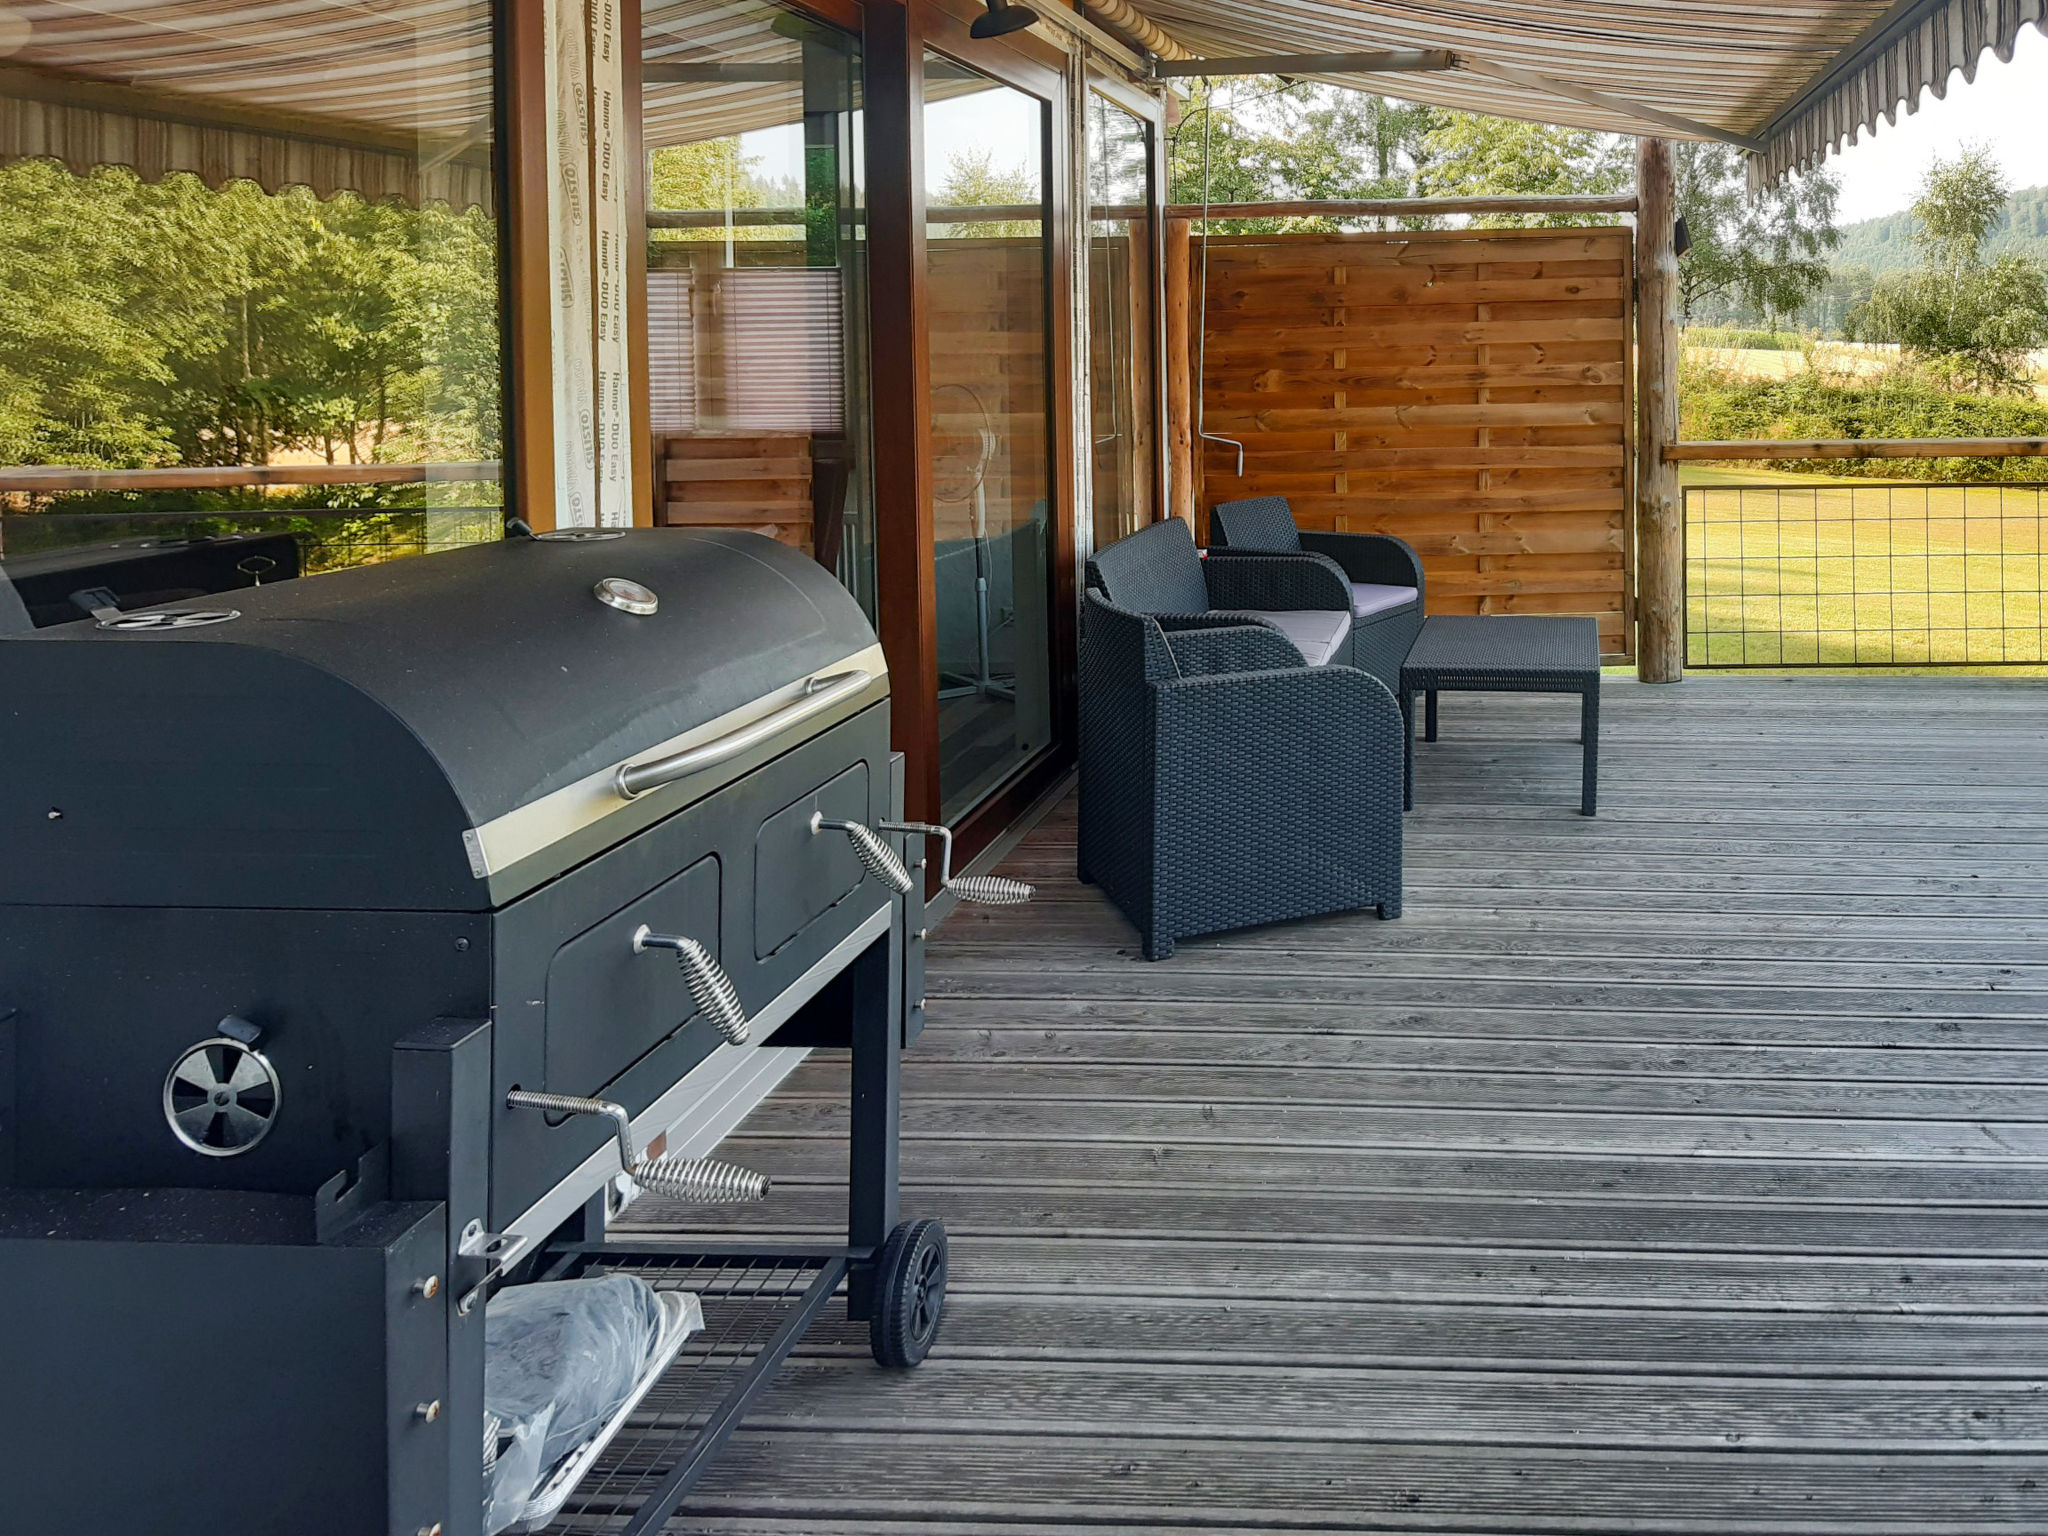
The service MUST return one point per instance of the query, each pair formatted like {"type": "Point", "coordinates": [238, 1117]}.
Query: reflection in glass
{"type": "Point", "coordinates": [756, 277]}
{"type": "Point", "coordinates": [249, 303]}
{"type": "Point", "coordinates": [1120, 340]}
{"type": "Point", "coordinates": [987, 262]}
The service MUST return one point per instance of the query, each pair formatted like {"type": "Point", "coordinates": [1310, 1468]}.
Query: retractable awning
{"type": "Point", "coordinates": [1789, 80]}
{"type": "Point", "coordinates": [388, 99]}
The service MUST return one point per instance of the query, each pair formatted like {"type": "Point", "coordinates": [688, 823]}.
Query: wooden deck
{"type": "Point", "coordinates": [1680, 1171]}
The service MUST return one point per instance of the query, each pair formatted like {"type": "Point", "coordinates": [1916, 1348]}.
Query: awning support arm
{"type": "Point", "coordinates": [1384, 62]}
{"type": "Point", "coordinates": [1686, 126]}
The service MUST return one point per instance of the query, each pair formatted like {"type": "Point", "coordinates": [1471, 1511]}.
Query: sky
{"type": "Point", "coordinates": [2006, 107]}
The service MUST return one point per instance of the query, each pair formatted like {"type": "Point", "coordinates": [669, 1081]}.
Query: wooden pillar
{"type": "Point", "coordinates": [1180, 389]}
{"type": "Point", "coordinates": [527, 287]}
{"type": "Point", "coordinates": [1660, 508]}
{"type": "Point", "coordinates": [899, 366]}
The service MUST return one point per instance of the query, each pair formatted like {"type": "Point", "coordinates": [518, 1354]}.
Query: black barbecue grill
{"type": "Point", "coordinates": [356, 935]}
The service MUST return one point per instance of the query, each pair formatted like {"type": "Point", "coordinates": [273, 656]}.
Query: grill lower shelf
{"type": "Point", "coordinates": [755, 1310]}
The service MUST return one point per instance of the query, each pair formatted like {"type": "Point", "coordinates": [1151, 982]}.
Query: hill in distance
{"type": "Point", "coordinates": [1886, 244]}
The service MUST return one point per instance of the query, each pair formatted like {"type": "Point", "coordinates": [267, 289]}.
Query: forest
{"type": "Point", "coordinates": [171, 323]}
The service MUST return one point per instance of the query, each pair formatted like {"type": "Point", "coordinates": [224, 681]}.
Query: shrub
{"type": "Point", "coordinates": [1744, 341]}
{"type": "Point", "coordinates": [1717, 405]}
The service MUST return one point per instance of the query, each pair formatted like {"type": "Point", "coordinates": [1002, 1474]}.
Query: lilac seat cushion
{"type": "Point", "coordinates": [1370, 597]}
{"type": "Point", "coordinates": [1318, 633]}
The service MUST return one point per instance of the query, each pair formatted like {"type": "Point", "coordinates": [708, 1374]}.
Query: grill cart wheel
{"type": "Point", "coordinates": [910, 1293]}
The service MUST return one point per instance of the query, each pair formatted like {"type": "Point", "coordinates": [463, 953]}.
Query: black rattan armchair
{"type": "Point", "coordinates": [1224, 783]}
{"type": "Point", "coordinates": [1158, 571]}
{"type": "Point", "coordinates": [1384, 575]}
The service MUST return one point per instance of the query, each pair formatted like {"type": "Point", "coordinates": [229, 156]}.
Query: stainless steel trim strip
{"type": "Point", "coordinates": [539, 824]}
{"type": "Point", "coordinates": [715, 1097]}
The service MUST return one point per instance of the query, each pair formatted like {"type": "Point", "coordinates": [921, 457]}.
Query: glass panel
{"type": "Point", "coordinates": [756, 278]}
{"type": "Point", "coordinates": [1120, 337]}
{"type": "Point", "coordinates": [249, 301]}
{"type": "Point", "coordinates": [987, 257]}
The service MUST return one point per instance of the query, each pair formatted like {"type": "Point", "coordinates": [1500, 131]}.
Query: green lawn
{"type": "Point", "coordinates": [1788, 570]}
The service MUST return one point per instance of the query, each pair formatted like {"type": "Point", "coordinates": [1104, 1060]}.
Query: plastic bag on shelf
{"type": "Point", "coordinates": [560, 1357]}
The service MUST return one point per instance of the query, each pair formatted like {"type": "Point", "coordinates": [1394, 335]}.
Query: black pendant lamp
{"type": "Point", "coordinates": [1003, 18]}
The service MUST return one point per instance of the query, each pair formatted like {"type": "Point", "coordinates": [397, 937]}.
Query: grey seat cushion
{"type": "Point", "coordinates": [1318, 633]}
{"type": "Point", "coordinates": [1371, 597]}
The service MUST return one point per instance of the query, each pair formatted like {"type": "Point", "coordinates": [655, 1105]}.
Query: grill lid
{"type": "Point", "coordinates": [435, 732]}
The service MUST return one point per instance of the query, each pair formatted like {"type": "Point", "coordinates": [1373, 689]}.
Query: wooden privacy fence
{"type": "Point", "coordinates": [1469, 391]}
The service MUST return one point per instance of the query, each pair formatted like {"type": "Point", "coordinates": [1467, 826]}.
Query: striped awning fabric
{"type": "Point", "coordinates": [1919, 46]}
{"type": "Point", "coordinates": [385, 98]}
{"type": "Point", "coordinates": [1788, 79]}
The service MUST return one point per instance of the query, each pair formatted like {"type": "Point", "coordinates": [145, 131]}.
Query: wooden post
{"type": "Point", "coordinates": [900, 367]}
{"type": "Point", "coordinates": [1180, 390]}
{"type": "Point", "coordinates": [525, 117]}
{"type": "Point", "coordinates": [1660, 507]}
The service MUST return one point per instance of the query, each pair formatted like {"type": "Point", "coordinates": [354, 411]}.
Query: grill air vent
{"type": "Point", "coordinates": [221, 1097]}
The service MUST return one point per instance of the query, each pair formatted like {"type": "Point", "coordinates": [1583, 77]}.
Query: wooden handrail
{"type": "Point", "coordinates": [1304, 208]}
{"type": "Point", "coordinates": [1862, 448]}
{"type": "Point", "coordinates": [57, 477]}
{"type": "Point", "coordinates": [1394, 207]}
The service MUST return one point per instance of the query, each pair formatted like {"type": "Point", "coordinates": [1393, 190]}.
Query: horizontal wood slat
{"type": "Point", "coordinates": [1469, 391]}
{"type": "Point", "coordinates": [761, 483]}
{"type": "Point", "coordinates": [1677, 1171]}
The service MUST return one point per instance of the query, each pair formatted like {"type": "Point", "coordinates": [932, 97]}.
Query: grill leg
{"type": "Point", "coordinates": [877, 1001]}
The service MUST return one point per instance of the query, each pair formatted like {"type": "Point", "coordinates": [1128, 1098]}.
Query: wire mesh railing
{"type": "Point", "coordinates": [1842, 575]}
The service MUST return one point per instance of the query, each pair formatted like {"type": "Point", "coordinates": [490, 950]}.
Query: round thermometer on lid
{"type": "Point", "coordinates": [626, 596]}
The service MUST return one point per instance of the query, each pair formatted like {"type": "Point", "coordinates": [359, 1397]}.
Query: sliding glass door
{"type": "Point", "coordinates": [756, 278]}
{"type": "Point", "coordinates": [988, 258]}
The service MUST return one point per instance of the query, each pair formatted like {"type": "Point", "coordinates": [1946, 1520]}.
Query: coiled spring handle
{"type": "Point", "coordinates": [878, 857]}
{"type": "Point", "coordinates": [710, 988]}
{"type": "Point", "coordinates": [699, 1180]}
{"type": "Point", "coordinates": [986, 890]}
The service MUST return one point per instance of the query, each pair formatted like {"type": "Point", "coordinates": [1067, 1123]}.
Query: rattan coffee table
{"type": "Point", "coordinates": [1505, 653]}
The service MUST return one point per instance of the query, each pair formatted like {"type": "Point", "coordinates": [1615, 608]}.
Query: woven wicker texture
{"type": "Point", "coordinates": [1255, 522]}
{"type": "Point", "coordinates": [1157, 571]}
{"type": "Point", "coordinates": [1379, 644]}
{"type": "Point", "coordinates": [1508, 653]}
{"type": "Point", "coordinates": [1215, 799]}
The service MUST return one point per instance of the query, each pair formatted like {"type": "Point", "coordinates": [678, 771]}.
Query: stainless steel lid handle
{"type": "Point", "coordinates": [984, 890]}
{"type": "Point", "coordinates": [878, 857]}
{"type": "Point", "coordinates": [817, 695]}
{"type": "Point", "coordinates": [710, 987]}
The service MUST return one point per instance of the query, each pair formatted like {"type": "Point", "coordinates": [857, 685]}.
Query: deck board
{"type": "Point", "coordinates": [1679, 1171]}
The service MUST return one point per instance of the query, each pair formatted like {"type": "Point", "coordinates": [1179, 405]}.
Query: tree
{"type": "Point", "coordinates": [1970, 320]}
{"type": "Point", "coordinates": [1761, 257]}
{"type": "Point", "coordinates": [1959, 204]}
{"type": "Point", "coordinates": [1471, 156]}
{"type": "Point", "coordinates": [974, 180]}
{"type": "Point", "coordinates": [1214, 154]}
{"type": "Point", "coordinates": [1265, 138]}
{"type": "Point", "coordinates": [172, 322]}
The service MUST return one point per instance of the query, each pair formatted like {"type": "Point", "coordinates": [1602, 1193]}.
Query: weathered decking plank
{"type": "Point", "coordinates": [1679, 1171]}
